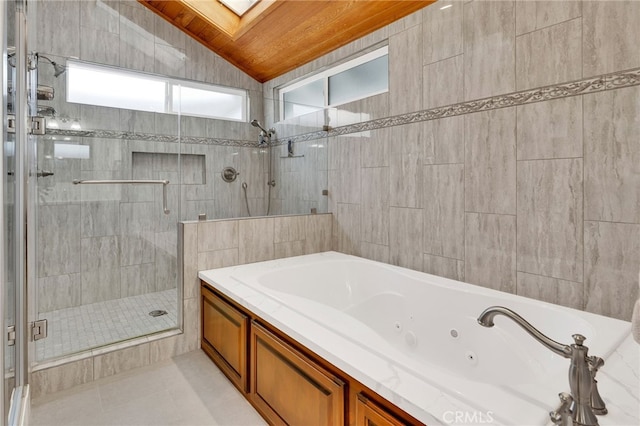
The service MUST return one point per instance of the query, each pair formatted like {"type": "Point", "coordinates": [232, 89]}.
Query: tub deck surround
{"type": "Point", "coordinates": [395, 335]}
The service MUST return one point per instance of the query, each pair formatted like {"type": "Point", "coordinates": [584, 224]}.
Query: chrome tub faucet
{"type": "Point", "coordinates": [584, 402]}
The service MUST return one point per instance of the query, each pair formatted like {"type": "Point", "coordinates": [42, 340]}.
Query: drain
{"type": "Point", "coordinates": [158, 313]}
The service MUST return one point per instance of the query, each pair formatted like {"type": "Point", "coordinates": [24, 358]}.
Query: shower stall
{"type": "Point", "coordinates": [118, 127]}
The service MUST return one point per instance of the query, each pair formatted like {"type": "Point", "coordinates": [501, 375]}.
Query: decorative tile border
{"type": "Point", "coordinates": [115, 134]}
{"type": "Point", "coordinates": [580, 87]}
{"type": "Point", "coordinates": [590, 85]}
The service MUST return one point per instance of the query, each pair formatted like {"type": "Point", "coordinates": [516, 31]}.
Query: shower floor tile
{"type": "Point", "coordinates": [80, 328]}
{"type": "Point", "coordinates": [187, 390]}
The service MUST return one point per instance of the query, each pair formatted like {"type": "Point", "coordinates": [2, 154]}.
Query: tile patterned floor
{"type": "Point", "coordinates": [188, 390]}
{"type": "Point", "coordinates": [76, 329]}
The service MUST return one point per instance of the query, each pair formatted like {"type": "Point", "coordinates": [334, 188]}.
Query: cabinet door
{"type": "Point", "coordinates": [224, 337]}
{"type": "Point", "coordinates": [289, 388]}
{"type": "Point", "coordinates": [369, 413]}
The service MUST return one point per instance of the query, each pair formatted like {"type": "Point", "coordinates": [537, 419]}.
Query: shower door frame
{"type": "Point", "coordinates": [22, 150]}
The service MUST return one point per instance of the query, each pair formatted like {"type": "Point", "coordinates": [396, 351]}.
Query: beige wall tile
{"type": "Point", "coordinates": [405, 71]}
{"type": "Point", "coordinates": [406, 160]}
{"type": "Point", "coordinates": [256, 240]}
{"type": "Point", "coordinates": [163, 349]}
{"type": "Point", "coordinates": [347, 229]}
{"type": "Point", "coordinates": [376, 252]}
{"type": "Point", "coordinates": [191, 326]}
{"type": "Point", "coordinates": [405, 237]}
{"type": "Point", "coordinates": [444, 267]}
{"type": "Point", "coordinates": [217, 259]}
{"type": "Point", "coordinates": [550, 129]}
{"type": "Point", "coordinates": [405, 180]}
{"type": "Point", "coordinates": [190, 281]}
{"type": "Point", "coordinates": [444, 210]}
{"type": "Point", "coordinates": [62, 377]}
{"type": "Point", "coordinates": [550, 219]}
{"type": "Point", "coordinates": [344, 158]}
{"type": "Point", "coordinates": [289, 249]}
{"type": "Point", "coordinates": [490, 161]}
{"type": "Point", "coordinates": [552, 290]}
{"type": "Point", "coordinates": [443, 82]}
{"type": "Point", "coordinates": [610, 36]}
{"type": "Point", "coordinates": [442, 29]}
{"type": "Point", "coordinates": [548, 56]}
{"type": "Point", "coordinates": [611, 257]}
{"type": "Point", "coordinates": [534, 15]}
{"type": "Point", "coordinates": [612, 155]}
{"type": "Point", "coordinates": [444, 140]}
{"type": "Point", "coordinates": [119, 361]}
{"type": "Point", "coordinates": [58, 292]}
{"type": "Point", "coordinates": [319, 232]}
{"type": "Point", "coordinates": [289, 228]}
{"type": "Point", "coordinates": [375, 205]}
{"type": "Point", "coordinates": [489, 48]}
{"type": "Point", "coordinates": [490, 255]}
{"type": "Point", "coordinates": [217, 235]}
{"type": "Point", "coordinates": [375, 148]}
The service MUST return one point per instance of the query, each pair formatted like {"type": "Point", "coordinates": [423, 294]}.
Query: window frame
{"type": "Point", "coordinates": [170, 83]}
{"type": "Point", "coordinates": [329, 72]}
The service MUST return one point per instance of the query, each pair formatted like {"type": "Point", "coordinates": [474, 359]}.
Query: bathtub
{"type": "Point", "coordinates": [414, 338]}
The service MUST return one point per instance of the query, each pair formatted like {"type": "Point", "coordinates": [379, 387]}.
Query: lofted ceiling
{"type": "Point", "coordinates": [276, 36]}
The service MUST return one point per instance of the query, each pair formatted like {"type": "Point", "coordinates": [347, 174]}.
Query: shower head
{"type": "Point", "coordinates": [256, 123]}
{"type": "Point", "coordinates": [57, 68]}
{"type": "Point", "coordinates": [264, 133]}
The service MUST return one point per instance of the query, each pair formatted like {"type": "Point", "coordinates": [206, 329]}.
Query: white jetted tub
{"type": "Point", "coordinates": [414, 338]}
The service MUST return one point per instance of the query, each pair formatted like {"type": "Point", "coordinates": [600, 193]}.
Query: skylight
{"type": "Point", "coordinates": [239, 7]}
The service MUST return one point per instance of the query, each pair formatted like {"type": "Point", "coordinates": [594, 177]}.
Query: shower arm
{"type": "Point", "coordinates": [164, 184]}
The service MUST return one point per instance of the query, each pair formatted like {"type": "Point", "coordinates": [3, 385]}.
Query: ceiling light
{"type": "Point", "coordinates": [446, 7]}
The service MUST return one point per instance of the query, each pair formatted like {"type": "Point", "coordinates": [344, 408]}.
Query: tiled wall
{"type": "Point", "coordinates": [206, 245]}
{"type": "Point", "coordinates": [541, 199]}
{"type": "Point", "coordinates": [221, 243]}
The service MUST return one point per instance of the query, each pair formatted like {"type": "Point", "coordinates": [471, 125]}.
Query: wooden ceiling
{"type": "Point", "coordinates": [275, 37]}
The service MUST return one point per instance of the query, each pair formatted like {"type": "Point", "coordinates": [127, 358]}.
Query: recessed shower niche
{"type": "Point", "coordinates": [156, 165]}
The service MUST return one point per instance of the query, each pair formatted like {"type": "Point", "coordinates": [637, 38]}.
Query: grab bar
{"type": "Point", "coordinates": [164, 184]}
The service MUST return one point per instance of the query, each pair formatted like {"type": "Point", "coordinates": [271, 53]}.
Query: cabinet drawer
{"type": "Point", "coordinates": [289, 388]}
{"type": "Point", "coordinates": [224, 337]}
{"type": "Point", "coordinates": [368, 413]}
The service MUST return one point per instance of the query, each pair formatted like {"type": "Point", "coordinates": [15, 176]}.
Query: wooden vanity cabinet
{"type": "Point", "coordinates": [368, 413]}
{"type": "Point", "coordinates": [225, 331]}
{"type": "Point", "coordinates": [290, 389]}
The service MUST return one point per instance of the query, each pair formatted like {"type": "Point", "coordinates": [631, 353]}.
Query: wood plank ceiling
{"type": "Point", "coordinates": [275, 37]}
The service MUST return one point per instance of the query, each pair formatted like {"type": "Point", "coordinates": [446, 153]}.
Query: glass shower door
{"type": "Point", "coordinates": [106, 246]}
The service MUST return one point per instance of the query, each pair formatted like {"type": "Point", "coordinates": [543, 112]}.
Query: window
{"type": "Point", "coordinates": [100, 85]}
{"type": "Point", "coordinates": [359, 78]}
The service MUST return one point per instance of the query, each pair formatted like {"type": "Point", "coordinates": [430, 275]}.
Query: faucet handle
{"type": "Point", "coordinates": [597, 403]}
{"type": "Point", "coordinates": [578, 339]}
{"type": "Point", "coordinates": [595, 362]}
{"type": "Point", "coordinates": [562, 415]}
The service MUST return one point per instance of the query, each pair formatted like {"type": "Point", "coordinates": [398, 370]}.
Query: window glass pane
{"type": "Point", "coordinates": [112, 88]}
{"type": "Point", "coordinates": [359, 82]}
{"type": "Point", "coordinates": [192, 101]}
{"type": "Point", "coordinates": [304, 99]}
